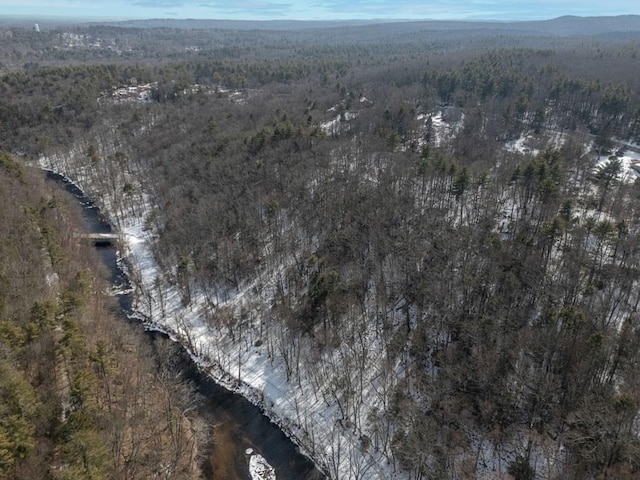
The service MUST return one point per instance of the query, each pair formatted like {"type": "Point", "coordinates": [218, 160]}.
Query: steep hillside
{"type": "Point", "coordinates": [80, 394]}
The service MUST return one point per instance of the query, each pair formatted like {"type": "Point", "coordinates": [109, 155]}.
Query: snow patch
{"type": "Point", "coordinates": [260, 469]}
{"type": "Point", "coordinates": [443, 129]}
{"type": "Point", "coordinates": [333, 126]}
{"type": "Point", "coordinates": [520, 146]}
{"type": "Point", "coordinates": [630, 165]}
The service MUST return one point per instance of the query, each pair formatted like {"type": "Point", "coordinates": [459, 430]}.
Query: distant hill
{"type": "Point", "coordinates": [572, 25]}
{"type": "Point", "coordinates": [561, 26]}
{"type": "Point", "coordinates": [240, 24]}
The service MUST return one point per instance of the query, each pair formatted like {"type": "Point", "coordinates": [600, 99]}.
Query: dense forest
{"type": "Point", "coordinates": [81, 395]}
{"type": "Point", "coordinates": [431, 231]}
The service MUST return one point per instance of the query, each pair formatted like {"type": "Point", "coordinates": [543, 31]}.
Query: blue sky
{"type": "Point", "coordinates": [320, 9]}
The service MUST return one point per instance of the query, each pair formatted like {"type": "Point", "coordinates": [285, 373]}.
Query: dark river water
{"type": "Point", "coordinates": [239, 425]}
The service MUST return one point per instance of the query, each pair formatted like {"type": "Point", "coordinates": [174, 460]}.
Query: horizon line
{"type": "Point", "coordinates": [88, 18]}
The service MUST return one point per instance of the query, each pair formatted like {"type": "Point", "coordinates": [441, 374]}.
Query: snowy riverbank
{"type": "Point", "coordinates": [243, 365]}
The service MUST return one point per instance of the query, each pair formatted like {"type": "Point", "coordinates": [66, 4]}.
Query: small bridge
{"type": "Point", "coordinates": [100, 239]}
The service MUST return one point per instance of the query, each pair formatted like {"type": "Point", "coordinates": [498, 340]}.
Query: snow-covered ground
{"type": "Point", "coordinates": [131, 94]}
{"type": "Point", "coordinates": [442, 129]}
{"type": "Point", "coordinates": [310, 406]}
{"type": "Point", "coordinates": [334, 126]}
{"type": "Point", "coordinates": [627, 152]}
{"type": "Point", "coordinates": [530, 144]}
{"type": "Point", "coordinates": [520, 146]}
{"type": "Point", "coordinates": [630, 164]}
{"type": "Point", "coordinates": [259, 469]}
{"type": "Point", "coordinates": [244, 366]}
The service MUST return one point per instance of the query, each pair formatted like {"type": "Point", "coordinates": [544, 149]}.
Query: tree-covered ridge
{"type": "Point", "coordinates": [78, 394]}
